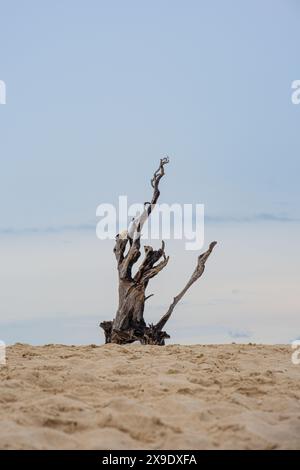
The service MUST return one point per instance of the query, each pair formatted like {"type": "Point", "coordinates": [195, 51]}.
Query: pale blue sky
{"type": "Point", "coordinates": [97, 92]}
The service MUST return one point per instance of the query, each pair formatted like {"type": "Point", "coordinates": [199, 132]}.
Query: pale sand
{"type": "Point", "coordinates": [145, 397]}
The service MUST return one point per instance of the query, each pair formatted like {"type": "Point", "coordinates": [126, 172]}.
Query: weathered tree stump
{"type": "Point", "coordinates": [129, 324]}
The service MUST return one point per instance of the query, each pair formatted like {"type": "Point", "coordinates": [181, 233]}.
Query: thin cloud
{"type": "Point", "coordinates": [87, 227]}
{"type": "Point", "coordinates": [235, 334]}
{"type": "Point", "coordinates": [261, 217]}
{"type": "Point", "coordinates": [48, 230]}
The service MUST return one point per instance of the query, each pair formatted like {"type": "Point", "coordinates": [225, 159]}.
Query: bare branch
{"type": "Point", "coordinates": [125, 262]}
{"type": "Point", "coordinates": [196, 275]}
{"type": "Point", "coordinates": [148, 296]}
{"type": "Point", "coordinates": [137, 224]}
{"type": "Point", "coordinates": [120, 248]}
{"type": "Point", "coordinates": [156, 179]}
{"type": "Point", "coordinates": [151, 257]}
{"type": "Point", "coordinates": [130, 259]}
{"type": "Point", "coordinates": [154, 271]}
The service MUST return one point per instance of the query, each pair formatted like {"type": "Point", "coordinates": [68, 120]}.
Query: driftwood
{"type": "Point", "coordinates": [129, 324]}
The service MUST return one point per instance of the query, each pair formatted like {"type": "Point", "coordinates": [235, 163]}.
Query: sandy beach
{"type": "Point", "coordinates": [147, 397]}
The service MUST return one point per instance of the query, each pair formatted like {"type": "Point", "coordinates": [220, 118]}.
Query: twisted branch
{"type": "Point", "coordinates": [196, 274]}
{"type": "Point", "coordinates": [125, 262]}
